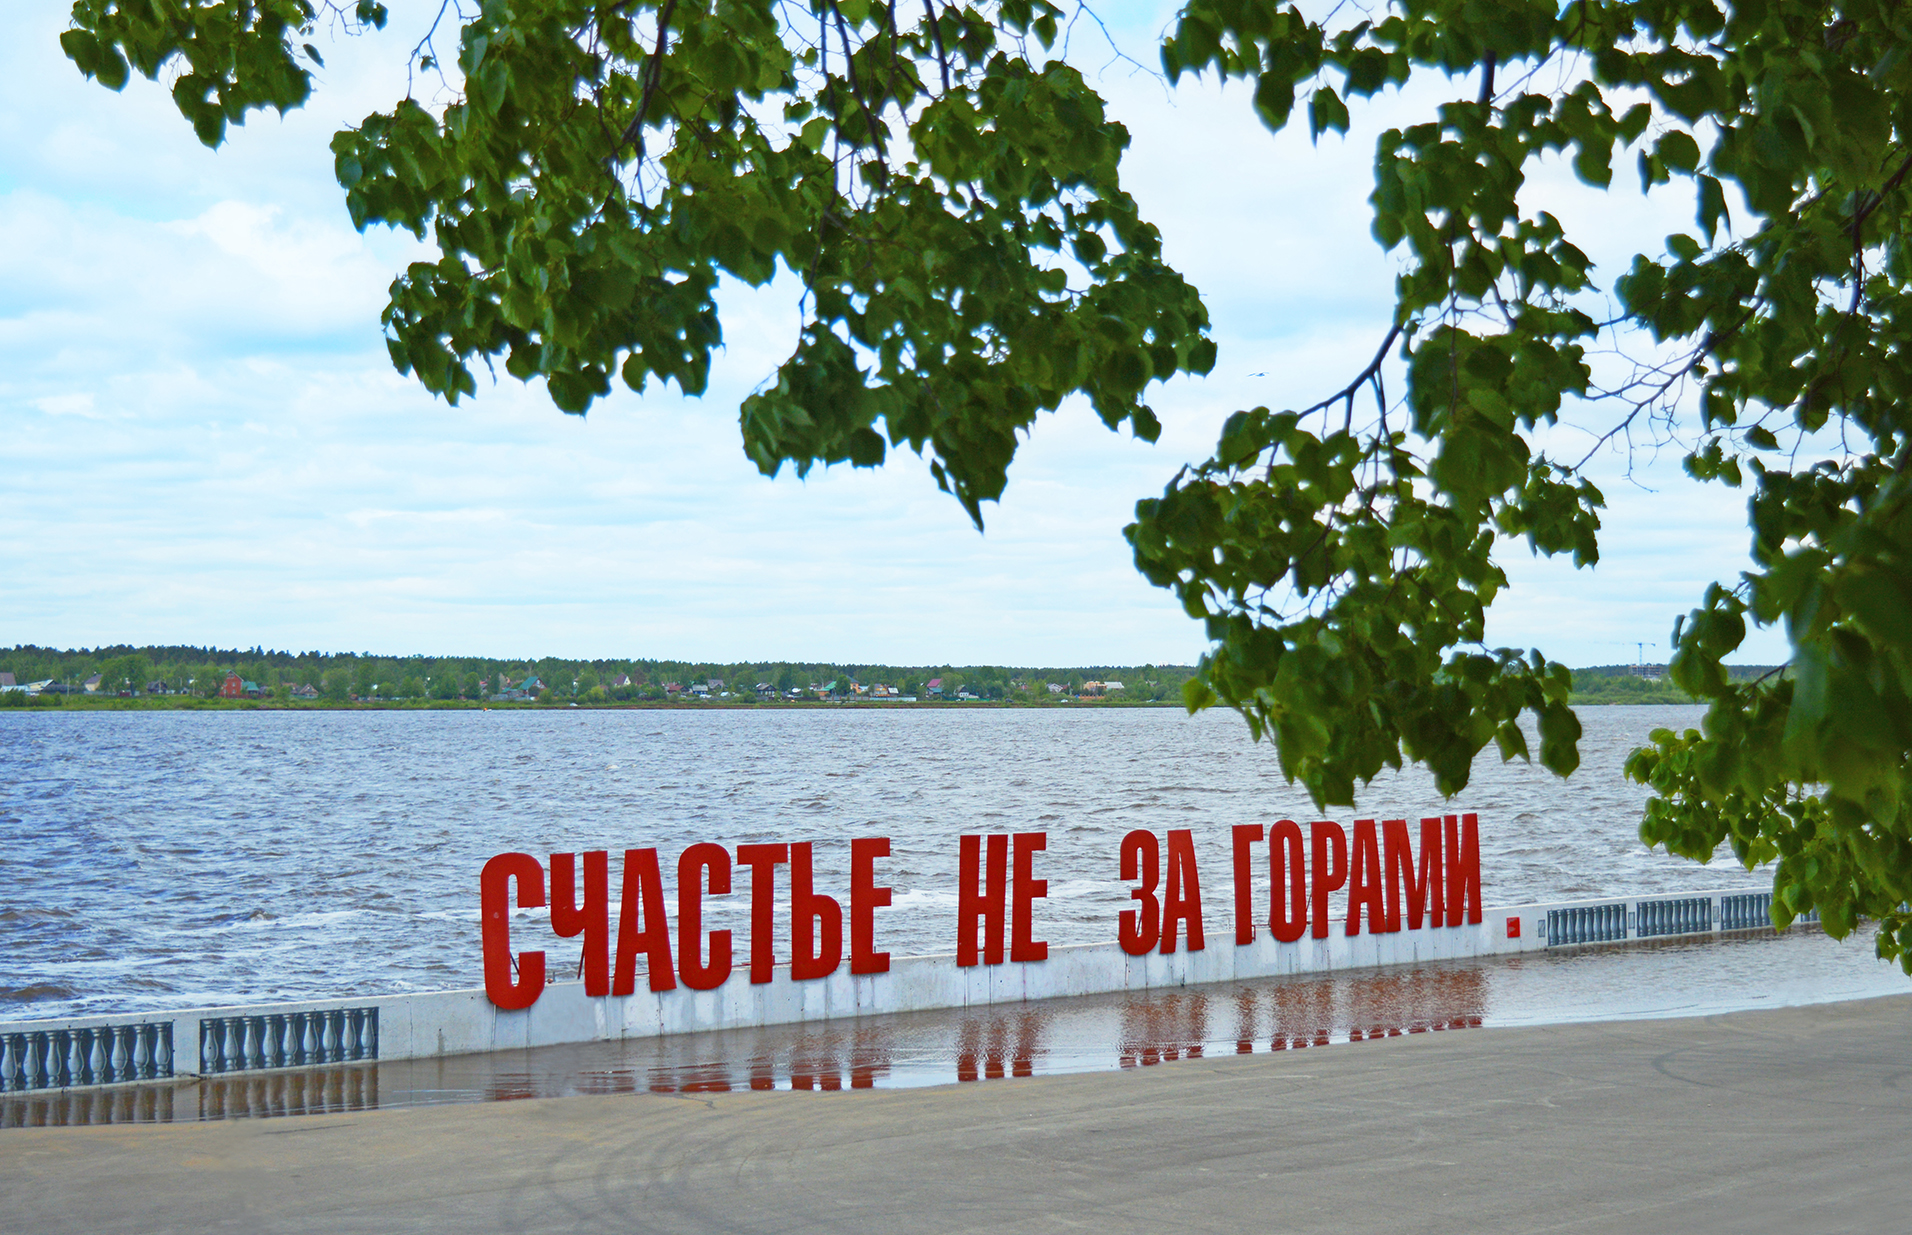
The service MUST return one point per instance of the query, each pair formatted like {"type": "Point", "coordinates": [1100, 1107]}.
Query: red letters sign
{"type": "Point", "coordinates": [1380, 874]}
{"type": "Point", "coordinates": [997, 891]}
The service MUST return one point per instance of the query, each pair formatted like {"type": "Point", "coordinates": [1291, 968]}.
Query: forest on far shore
{"type": "Point", "coordinates": [1645, 684]}
{"type": "Point", "coordinates": [182, 675]}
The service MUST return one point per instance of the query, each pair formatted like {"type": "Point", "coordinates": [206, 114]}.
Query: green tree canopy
{"type": "Point", "coordinates": [949, 194]}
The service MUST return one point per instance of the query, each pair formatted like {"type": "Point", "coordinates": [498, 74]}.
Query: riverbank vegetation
{"type": "Point", "coordinates": [1599, 684]}
{"type": "Point", "coordinates": [195, 677]}
{"type": "Point", "coordinates": [185, 676]}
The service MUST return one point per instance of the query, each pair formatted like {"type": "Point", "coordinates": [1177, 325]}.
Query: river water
{"type": "Point", "coordinates": [175, 859]}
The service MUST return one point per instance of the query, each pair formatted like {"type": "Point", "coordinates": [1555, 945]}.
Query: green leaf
{"type": "Point", "coordinates": [1325, 111]}
{"type": "Point", "coordinates": [1712, 207]}
{"type": "Point", "coordinates": [1274, 100]}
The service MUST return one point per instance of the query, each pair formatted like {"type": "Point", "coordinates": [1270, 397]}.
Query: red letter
{"type": "Point", "coordinates": [1397, 854]}
{"type": "Point", "coordinates": [1365, 881]}
{"type": "Point", "coordinates": [691, 865]}
{"type": "Point", "coordinates": [593, 919]}
{"type": "Point", "coordinates": [808, 912]}
{"type": "Point", "coordinates": [1425, 894]}
{"type": "Point", "coordinates": [1245, 834]}
{"type": "Point", "coordinates": [969, 879]}
{"type": "Point", "coordinates": [494, 903]}
{"type": "Point", "coordinates": [762, 861]}
{"type": "Point", "coordinates": [1137, 930]}
{"type": "Point", "coordinates": [1182, 895]}
{"type": "Point", "coordinates": [1431, 865]}
{"type": "Point", "coordinates": [1028, 891]}
{"type": "Point", "coordinates": [643, 888]}
{"type": "Point", "coordinates": [1463, 868]}
{"type": "Point", "coordinates": [995, 897]}
{"type": "Point", "coordinates": [1328, 870]}
{"type": "Point", "coordinates": [865, 899]}
{"type": "Point", "coordinates": [1285, 876]}
{"type": "Point", "coordinates": [977, 896]}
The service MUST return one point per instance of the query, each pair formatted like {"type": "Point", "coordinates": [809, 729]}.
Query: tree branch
{"type": "Point", "coordinates": [856, 89]}
{"type": "Point", "coordinates": [936, 33]}
{"type": "Point", "coordinates": [633, 134]}
{"type": "Point", "coordinates": [1361, 379]}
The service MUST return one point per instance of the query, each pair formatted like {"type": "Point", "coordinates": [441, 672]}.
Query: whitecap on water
{"type": "Point", "coordinates": [412, 804]}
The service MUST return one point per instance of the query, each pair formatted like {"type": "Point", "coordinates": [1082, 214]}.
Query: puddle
{"type": "Point", "coordinates": [1679, 977]}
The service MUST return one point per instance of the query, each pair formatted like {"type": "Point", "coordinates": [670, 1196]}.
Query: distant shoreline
{"type": "Point", "coordinates": [69, 703]}
{"type": "Point", "coordinates": [73, 703]}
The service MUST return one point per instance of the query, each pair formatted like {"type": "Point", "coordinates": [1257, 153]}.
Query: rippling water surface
{"type": "Point", "coordinates": [173, 859]}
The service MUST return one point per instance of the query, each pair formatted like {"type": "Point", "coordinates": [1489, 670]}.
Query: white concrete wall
{"type": "Point", "coordinates": [461, 1021]}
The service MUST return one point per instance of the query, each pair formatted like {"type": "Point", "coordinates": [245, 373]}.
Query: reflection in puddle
{"type": "Point", "coordinates": [314, 1091]}
{"type": "Point", "coordinates": [1070, 1035]}
{"type": "Point", "coordinates": [1091, 1033]}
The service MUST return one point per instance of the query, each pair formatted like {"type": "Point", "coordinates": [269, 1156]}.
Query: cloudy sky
{"type": "Point", "coordinates": [204, 441]}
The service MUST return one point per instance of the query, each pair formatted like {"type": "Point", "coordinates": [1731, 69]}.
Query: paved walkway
{"type": "Point", "coordinates": [1755, 1121]}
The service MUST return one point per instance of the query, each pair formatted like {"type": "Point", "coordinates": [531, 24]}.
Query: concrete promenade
{"type": "Point", "coordinates": [1777, 1120]}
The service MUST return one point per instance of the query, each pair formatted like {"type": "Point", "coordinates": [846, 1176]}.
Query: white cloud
{"type": "Point", "coordinates": [207, 443]}
{"type": "Point", "coordinates": [80, 404]}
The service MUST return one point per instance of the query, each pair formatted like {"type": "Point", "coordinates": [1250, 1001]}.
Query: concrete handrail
{"type": "Point", "coordinates": [117, 1049]}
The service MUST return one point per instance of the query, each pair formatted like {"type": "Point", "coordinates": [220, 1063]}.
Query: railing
{"type": "Point", "coordinates": [1751, 911]}
{"type": "Point", "coordinates": [37, 1058]}
{"type": "Point", "coordinates": [1587, 924]}
{"type": "Point", "coordinates": [1662, 917]}
{"type": "Point", "coordinates": [287, 1039]}
{"type": "Point", "coordinates": [100, 1055]}
{"type": "Point", "coordinates": [1685, 916]}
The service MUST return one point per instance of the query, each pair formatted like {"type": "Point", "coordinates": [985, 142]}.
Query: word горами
{"type": "Point", "coordinates": [1386, 887]}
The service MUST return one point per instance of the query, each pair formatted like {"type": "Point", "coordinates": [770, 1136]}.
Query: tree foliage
{"type": "Point", "coordinates": [1785, 337]}
{"type": "Point", "coordinates": [949, 196]}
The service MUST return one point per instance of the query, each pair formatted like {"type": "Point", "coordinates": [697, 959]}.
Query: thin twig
{"type": "Point", "coordinates": [856, 90]}
{"type": "Point", "coordinates": [634, 131]}
{"type": "Point", "coordinates": [1354, 387]}
{"type": "Point", "coordinates": [936, 33]}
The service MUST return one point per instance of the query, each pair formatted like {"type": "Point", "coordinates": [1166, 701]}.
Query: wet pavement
{"type": "Point", "coordinates": [1672, 978]}
{"type": "Point", "coordinates": [1778, 1119]}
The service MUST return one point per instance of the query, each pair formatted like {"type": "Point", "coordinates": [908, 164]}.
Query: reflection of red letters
{"type": "Point", "coordinates": [981, 894]}
{"type": "Point", "coordinates": [1328, 868]}
{"type": "Point", "coordinates": [592, 919]}
{"type": "Point", "coordinates": [643, 890]}
{"type": "Point", "coordinates": [762, 861]}
{"type": "Point", "coordinates": [1181, 893]}
{"type": "Point", "coordinates": [1245, 836]}
{"type": "Point", "coordinates": [494, 900]}
{"type": "Point", "coordinates": [1028, 890]}
{"type": "Point", "coordinates": [1138, 929]}
{"type": "Point", "coordinates": [1463, 868]}
{"type": "Point", "coordinates": [691, 865]}
{"type": "Point", "coordinates": [1287, 883]}
{"type": "Point", "coordinates": [865, 899]}
{"type": "Point", "coordinates": [816, 922]}
{"type": "Point", "coordinates": [1365, 881]}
